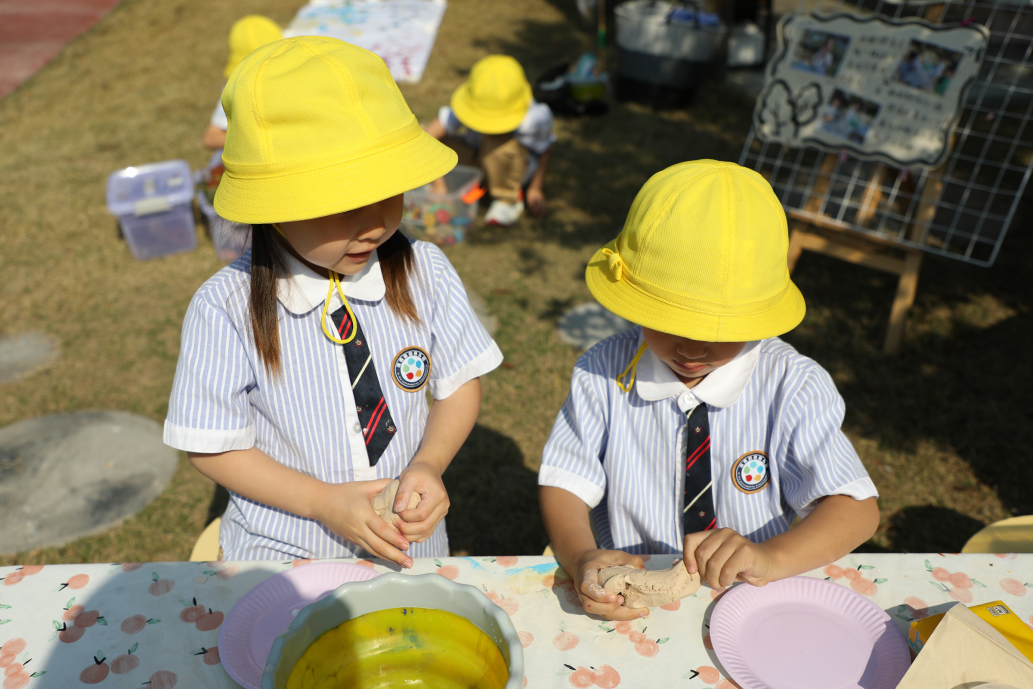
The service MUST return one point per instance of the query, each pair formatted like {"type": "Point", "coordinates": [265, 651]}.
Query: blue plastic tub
{"type": "Point", "coordinates": [154, 207]}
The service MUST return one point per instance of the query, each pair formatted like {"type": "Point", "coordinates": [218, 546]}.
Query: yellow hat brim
{"type": "Point", "coordinates": [488, 121]}
{"type": "Point", "coordinates": [330, 189]}
{"type": "Point", "coordinates": [653, 307]}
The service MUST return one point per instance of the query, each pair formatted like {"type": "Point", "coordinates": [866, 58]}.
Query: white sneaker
{"type": "Point", "coordinates": [503, 213]}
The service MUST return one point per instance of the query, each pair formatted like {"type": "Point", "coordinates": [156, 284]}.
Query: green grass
{"type": "Point", "coordinates": [944, 428]}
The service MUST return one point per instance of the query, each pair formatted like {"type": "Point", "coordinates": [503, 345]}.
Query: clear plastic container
{"type": "Point", "coordinates": [230, 239]}
{"type": "Point", "coordinates": [444, 218]}
{"type": "Point", "coordinates": [153, 206]}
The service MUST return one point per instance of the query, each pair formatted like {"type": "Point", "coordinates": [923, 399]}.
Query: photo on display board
{"type": "Point", "coordinates": [928, 67]}
{"type": "Point", "coordinates": [820, 53]}
{"type": "Point", "coordinates": [847, 116]}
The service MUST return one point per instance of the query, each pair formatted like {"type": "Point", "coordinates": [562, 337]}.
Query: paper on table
{"type": "Point", "coordinates": [964, 649]}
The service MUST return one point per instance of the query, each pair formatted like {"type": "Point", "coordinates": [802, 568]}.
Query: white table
{"type": "Point", "coordinates": [140, 608]}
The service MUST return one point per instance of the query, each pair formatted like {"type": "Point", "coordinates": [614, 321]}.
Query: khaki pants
{"type": "Point", "coordinates": [503, 160]}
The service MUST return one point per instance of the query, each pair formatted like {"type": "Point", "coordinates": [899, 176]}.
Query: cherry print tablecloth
{"type": "Point", "coordinates": [157, 624]}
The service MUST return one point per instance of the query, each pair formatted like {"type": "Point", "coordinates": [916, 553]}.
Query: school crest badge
{"type": "Point", "coordinates": [411, 369]}
{"type": "Point", "coordinates": [750, 472]}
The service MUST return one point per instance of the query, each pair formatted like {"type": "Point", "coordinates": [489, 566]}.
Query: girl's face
{"type": "Point", "coordinates": [343, 242]}
{"type": "Point", "coordinates": [690, 360]}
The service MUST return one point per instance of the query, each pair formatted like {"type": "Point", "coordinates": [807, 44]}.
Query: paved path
{"type": "Point", "coordinates": [32, 32]}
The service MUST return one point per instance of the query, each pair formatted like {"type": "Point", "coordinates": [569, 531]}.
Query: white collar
{"type": "Point", "coordinates": [654, 380]}
{"type": "Point", "coordinates": [303, 290]}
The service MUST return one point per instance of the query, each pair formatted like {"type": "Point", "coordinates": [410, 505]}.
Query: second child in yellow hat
{"type": "Point", "coordinates": [494, 122]}
{"type": "Point", "coordinates": [305, 365]}
{"type": "Point", "coordinates": [700, 432]}
{"type": "Point", "coordinates": [247, 34]}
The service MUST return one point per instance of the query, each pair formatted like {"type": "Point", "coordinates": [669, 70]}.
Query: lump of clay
{"type": "Point", "coordinates": [643, 588]}
{"type": "Point", "coordinates": [384, 503]}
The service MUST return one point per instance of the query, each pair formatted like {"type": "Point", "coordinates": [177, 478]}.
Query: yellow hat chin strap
{"type": "Point", "coordinates": [334, 281]}
{"type": "Point", "coordinates": [632, 367]}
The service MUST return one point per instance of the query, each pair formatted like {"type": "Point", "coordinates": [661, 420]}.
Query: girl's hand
{"type": "Point", "coordinates": [418, 524]}
{"type": "Point", "coordinates": [536, 201]}
{"type": "Point", "coordinates": [722, 556]}
{"type": "Point", "coordinates": [596, 599]}
{"type": "Point", "coordinates": [346, 510]}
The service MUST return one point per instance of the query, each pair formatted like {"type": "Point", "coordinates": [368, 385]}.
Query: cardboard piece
{"type": "Point", "coordinates": [966, 652]}
{"type": "Point", "coordinates": [996, 614]}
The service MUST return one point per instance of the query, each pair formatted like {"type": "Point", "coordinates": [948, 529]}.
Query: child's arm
{"type": "Point", "coordinates": [838, 524]}
{"type": "Point", "coordinates": [448, 425]}
{"type": "Point", "coordinates": [214, 137]}
{"type": "Point", "coordinates": [344, 507]}
{"type": "Point", "coordinates": [535, 192]}
{"type": "Point", "coordinates": [436, 129]}
{"type": "Point", "coordinates": [570, 534]}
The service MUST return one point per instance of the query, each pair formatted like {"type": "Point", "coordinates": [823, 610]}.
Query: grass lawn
{"type": "Point", "coordinates": [943, 428]}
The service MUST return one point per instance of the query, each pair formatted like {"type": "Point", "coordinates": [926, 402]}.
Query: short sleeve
{"type": "Point", "coordinates": [461, 348]}
{"type": "Point", "coordinates": [209, 411]}
{"type": "Point", "coordinates": [535, 131]}
{"type": "Point", "coordinates": [449, 121]}
{"type": "Point", "coordinates": [820, 459]}
{"type": "Point", "coordinates": [219, 118]}
{"type": "Point", "coordinates": [573, 454]}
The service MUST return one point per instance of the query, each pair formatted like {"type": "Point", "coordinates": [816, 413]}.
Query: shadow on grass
{"type": "Point", "coordinates": [494, 508]}
{"type": "Point", "coordinates": [961, 380]}
{"type": "Point", "coordinates": [927, 529]}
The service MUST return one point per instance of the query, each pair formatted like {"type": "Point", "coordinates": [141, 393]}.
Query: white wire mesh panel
{"type": "Point", "coordinates": [960, 209]}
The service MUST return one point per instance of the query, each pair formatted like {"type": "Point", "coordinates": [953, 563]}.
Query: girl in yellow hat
{"type": "Point", "coordinates": [246, 34]}
{"type": "Point", "coordinates": [700, 431]}
{"type": "Point", "coordinates": [302, 378]}
{"type": "Point", "coordinates": [494, 122]}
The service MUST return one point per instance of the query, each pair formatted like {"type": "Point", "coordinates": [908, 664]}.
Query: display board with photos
{"type": "Point", "coordinates": [882, 89]}
{"type": "Point", "coordinates": [911, 122]}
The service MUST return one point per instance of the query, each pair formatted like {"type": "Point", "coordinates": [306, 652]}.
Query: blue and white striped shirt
{"type": "Point", "coordinates": [623, 453]}
{"type": "Point", "coordinates": [223, 398]}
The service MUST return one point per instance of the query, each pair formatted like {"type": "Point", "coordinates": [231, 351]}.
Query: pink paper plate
{"type": "Point", "coordinates": [269, 608]}
{"type": "Point", "coordinates": [806, 633]}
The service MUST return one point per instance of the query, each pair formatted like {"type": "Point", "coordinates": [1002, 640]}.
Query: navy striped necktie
{"type": "Point", "coordinates": [378, 428]}
{"type": "Point", "coordinates": [699, 513]}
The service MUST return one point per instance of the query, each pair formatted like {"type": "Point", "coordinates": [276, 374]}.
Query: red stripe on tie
{"type": "Point", "coordinates": [375, 419]}
{"type": "Point", "coordinates": [697, 454]}
{"type": "Point", "coordinates": [711, 526]}
{"type": "Point", "coordinates": [344, 323]}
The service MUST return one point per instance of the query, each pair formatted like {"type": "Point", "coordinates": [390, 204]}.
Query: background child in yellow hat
{"type": "Point", "coordinates": [246, 34]}
{"type": "Point", "coordinates": [494, 122]}
{"type": "Point", "coordinates": [304, 366]}
{"type": "Point", "coordinates": [700, 431]}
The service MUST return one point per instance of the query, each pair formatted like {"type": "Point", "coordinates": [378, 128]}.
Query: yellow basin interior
{"type": "Point", "coordinates": [402, 647]}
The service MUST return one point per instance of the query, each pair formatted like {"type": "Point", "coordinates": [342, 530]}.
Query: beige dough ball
{"type": "Point", "coordinates": [644, 588]}
{"type": "Point", "coordinates": [384, 501]}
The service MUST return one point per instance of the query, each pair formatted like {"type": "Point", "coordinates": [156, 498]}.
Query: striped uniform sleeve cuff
{"type": "Point", "coordinates": [861, 489]}
{"type": "Point", "coordinates": [485, 362]}
{"type": "Point", "coordinates": [208, 441]}
{"type": "Point", "coordinates": [590, 493]}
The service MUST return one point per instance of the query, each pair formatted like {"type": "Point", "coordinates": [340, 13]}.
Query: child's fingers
{"type": "Point", "coordinates": [412, 527]}
{"type": "Point", "coordinates": [691, 546]}
{"type": "Point", "coordinates": [431, 508]}
{"type": "Point", "coordinates": [613, 611]}
{"type": "Point", "coordinates": [388, 534]}
{"type": "Point", "coordinates": [406, 487]}
{"type": "Point", "coordinates": [385, 550]}
{"type": "Point", "coordinates": [591, 587]}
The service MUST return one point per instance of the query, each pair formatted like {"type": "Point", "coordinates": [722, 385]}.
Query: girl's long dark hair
{"type": "Point", "coordinates": [269, 263]}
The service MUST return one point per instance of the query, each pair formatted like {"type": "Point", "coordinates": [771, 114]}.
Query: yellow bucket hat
{"type": "Point", "coordinates": [495, 98]}
{"type": "Point", "coordinates": [702, 255]}
{"type": "Point", "coordinates": [318, 127]}
{"type": "Point", "coordinates": [247, 34]}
